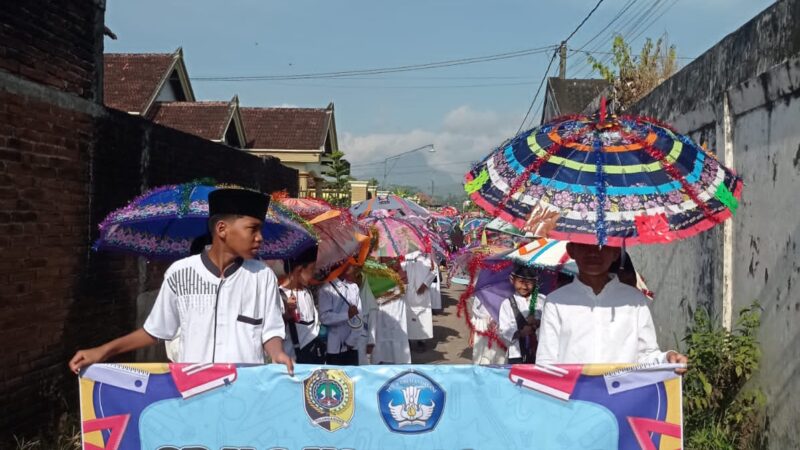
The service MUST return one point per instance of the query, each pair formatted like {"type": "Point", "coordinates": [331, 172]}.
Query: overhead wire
{"type": "Point", "coordinates": [632, 14]}
{"type": "Point", "coordinates": [552, 58]}
{"type": "Point", "coordinates": [382, 70]}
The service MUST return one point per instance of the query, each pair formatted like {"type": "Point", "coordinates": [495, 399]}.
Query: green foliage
{"type": "Point", "coordinates": [403, 191]}
{"type": "Point", "coordinates": [339, 170]}
{"type": "Point", "coordinates": [634, 76]}
{"type": "Point", "coordinates": [720, 411]}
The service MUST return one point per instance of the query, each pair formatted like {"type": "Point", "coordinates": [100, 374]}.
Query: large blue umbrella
{"type": "Point", "coordinates": [163, 222]}
{"type": "Point", "coordinates": [605, 180]}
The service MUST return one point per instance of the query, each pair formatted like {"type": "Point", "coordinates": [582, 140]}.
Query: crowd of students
{"type": "Point", "coordinates": [222, 305]}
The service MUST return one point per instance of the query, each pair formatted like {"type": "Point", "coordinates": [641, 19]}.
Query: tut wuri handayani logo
{"type": "Point", "coordinates": [411, 403]}
{"type": "Point", "coordinates": [329, 399]}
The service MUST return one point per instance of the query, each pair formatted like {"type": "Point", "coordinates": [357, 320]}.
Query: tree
{"type": "Point", "coordinates": [339, 170]}
{"type": "Point", "coordinates": [631, 76]}
{"type": "Point", "coordinates": [402, 191]}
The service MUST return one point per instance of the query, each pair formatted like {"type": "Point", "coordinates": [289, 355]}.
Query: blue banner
{"type": "Point", "coordinates": [236, 407]}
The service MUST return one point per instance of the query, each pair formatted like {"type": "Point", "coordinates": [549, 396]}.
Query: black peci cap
{"type": "Point", "coordinates": [524, 272]}
{"type": "Point", "coordinates": [239, 202]}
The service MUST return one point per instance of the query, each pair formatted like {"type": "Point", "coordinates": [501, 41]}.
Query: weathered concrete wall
{"type": "Point", "coordinates": [741, 98]}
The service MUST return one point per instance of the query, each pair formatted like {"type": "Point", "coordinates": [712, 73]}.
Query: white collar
{"type": "Point", "coordinates": [589, 291]}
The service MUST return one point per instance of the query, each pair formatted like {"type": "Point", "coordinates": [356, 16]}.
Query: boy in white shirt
{"type": "Point", "coordinates": [516, 324]}
{"type": "Point", "coordinates": [224, 302]}
{"type": "Point", "coordinates": [597, 319]}
{"type": "Point", "coordinates": [300, 312]}
{"type": "Point", "coordinates": [339, 309]}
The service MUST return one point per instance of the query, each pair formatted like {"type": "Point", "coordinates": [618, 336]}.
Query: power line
{"type": "Point", "coordinates": [616, 17]}
{"type": "Point", "coordinates": [688, 58]}
{"type": "Point", "coordinates": [441, 163]}
{"type": "Point", "coordinates": [383, 70]}
{"type": "Point", "coordinates": [583, 21]}
{"type": "Point", "coordinates": [652, 22]}
{"type": "Point", "coordinates": [640, 25]}
{"type": "Point", "coordinates": [632, 14]}
{"type": "Point", "coordinates": [547, 71]}
{"type": "Point", "coordinates": [437, 86]}
{"type": "Point", "coordinates": [538, 90]}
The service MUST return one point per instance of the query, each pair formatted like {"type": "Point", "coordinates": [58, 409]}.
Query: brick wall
{"type": "Point", "coordinates": [54, 42]}
{"type": "Point", "coordinates": [66, 162]}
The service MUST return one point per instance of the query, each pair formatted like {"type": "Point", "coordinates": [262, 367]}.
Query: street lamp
{"type": "Point", "coordinates": [400, 155]}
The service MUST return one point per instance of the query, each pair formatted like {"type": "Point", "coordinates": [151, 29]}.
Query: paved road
{"type": "Point", "coordinates": [450, 343]}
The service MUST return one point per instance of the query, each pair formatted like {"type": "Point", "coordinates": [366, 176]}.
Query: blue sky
{"type": "Point", "coordinates": [463, 110]}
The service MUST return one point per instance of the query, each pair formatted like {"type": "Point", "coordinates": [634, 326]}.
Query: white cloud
{"type": "Point", "coordinates": [464, 135]}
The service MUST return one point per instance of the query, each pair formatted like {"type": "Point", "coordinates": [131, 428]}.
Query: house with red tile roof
{"type": "Point", "coordinates": [134, 82]}
{"type": "Point", "coordinates": [156, 86]}
{"type": "Point", "coordinates": [215, 121]}
{"type": "Point", "coordinates": [302, 138]}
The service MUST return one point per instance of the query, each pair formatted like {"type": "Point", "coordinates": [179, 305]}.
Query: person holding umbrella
{"type": "Point", "coordinates": [597, 319]}
{"type": "Point", "coordinates": [520, 314]}
{"type": "Point", "coordinates": [224, 302]}
{"type": "Point", "coordinates": [339, 310]}
{"type": "Point", "coordinates": [300, 312]}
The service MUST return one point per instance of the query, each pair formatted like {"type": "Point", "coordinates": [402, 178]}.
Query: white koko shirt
{"type": "Point", "coordinates": [333, 314]}
{"type": "Point", "coordinates": [507, 322]}
{"type": "Point", "coordinates": [308, 328]}
{"type": "Point", "coordinates": [224, 318]}
{"type": "Point", "coordinates": [612, 327]}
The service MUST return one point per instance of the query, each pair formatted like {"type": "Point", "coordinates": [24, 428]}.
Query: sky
{"type": "Point", "coordinates": [463, 110]}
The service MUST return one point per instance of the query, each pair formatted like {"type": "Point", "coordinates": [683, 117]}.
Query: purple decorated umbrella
{"type": "Point", "coordinates": [163, 222]}
{"type": "Point", "coordinates": [492, 285]}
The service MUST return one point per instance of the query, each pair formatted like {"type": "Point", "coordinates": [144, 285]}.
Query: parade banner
{"type": "Point", "coordinates": [238, 407]}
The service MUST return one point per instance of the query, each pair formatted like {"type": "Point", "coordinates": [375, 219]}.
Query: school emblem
{"type": "Point", "coordinates": [329, 399]}
{"type": "Point", "coordinates": [411, 403]}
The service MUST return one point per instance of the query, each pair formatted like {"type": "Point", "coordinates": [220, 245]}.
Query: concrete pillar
{"type": "Point", "coordinates": [725, 140]}
{"type": "Point", "coordinates": [302, 184]}
{"type": "Point", "coordinates": [318, 183]}
{"type": "Point", "coordinates": [358, 191]}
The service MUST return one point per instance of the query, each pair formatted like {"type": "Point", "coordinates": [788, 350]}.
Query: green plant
{"type": "Point", "coordinates": [339, 170]}
{"type": "Point", "coordinates": [721, 411]}
{"type": "Point", "coordinates": [634, 76]}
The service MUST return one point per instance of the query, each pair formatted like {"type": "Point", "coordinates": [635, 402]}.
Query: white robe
{"type": "Point", "coordinates": [369, 311]}
{"type": "Point", "coordinates": [418, 306]}
{"type": "Point", "coordinates": [387, 329]}
{"type": "Point", "coordinates": [482, 353]}
{"type": "Point", "coordinates": [436, 289]}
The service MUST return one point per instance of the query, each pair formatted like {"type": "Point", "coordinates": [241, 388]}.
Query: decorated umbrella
{"type": "Point", "coordinates": [163, 222]}
{"type": "Point", "coordinates": [443, 223]}
{"type": "Point", "coordinates": [605, 180]}
{"type": "Point", "coordinates": [448, 211]}
{"type": "Point", "coordinates": [501, 226]}
{"type": "Point", "coordinates": [460, 261]}
{"type": "Point", "coordinates": [489, 282]}
{"type": "Point", "coordinates": [390, 202]}
{"type": "Point", "coordinates": [550, 253]}
{"type": "Point", "coordinates": [340, 236]}
{"type": "Point", "coordinates": [437, 241]}
{"type": "Point", "coordinates": [474, 224]}
{"type": "Point", "coordinates": [383, 280]}
{"type": "Point", "coordinates": [396, 238]}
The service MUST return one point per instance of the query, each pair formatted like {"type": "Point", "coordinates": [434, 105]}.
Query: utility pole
{"type": "Point", "coordinates": [431, 190]}
{"type": "Point", "coordinates": [562, 60]}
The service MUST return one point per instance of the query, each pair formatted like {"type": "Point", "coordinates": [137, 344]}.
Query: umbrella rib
{"type": "Point", "coordinates": [675, 175]}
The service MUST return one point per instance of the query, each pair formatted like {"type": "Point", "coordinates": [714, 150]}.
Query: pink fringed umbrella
{"type": "Point", "coordinates": [396, 238]}
{"type": "Point", "coordinates": [340, 237]}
